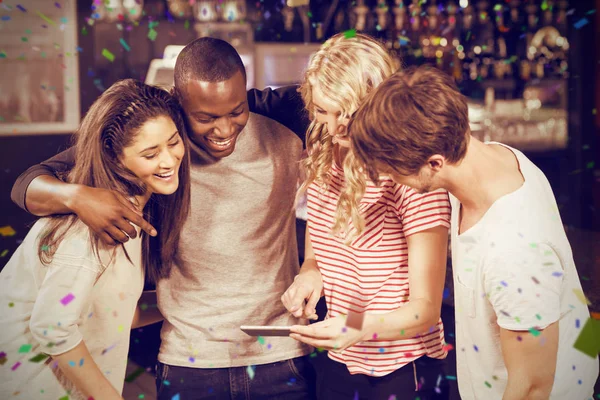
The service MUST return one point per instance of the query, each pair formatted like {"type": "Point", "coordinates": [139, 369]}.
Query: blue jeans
{"type": "Point", "coordinates": [290, 379]}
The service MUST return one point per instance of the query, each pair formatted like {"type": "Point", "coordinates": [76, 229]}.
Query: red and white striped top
{"type": "Point", "coordinates": [372, 273]}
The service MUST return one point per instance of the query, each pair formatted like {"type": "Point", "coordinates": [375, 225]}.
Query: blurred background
{"type": "Point", "coordinates": [529, 68]}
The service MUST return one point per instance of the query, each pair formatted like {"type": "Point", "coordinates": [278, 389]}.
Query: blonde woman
{"type": "Point", "coordinates": [377, 253]}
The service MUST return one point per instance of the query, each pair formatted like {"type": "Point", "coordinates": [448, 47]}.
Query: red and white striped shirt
{"type": "Point", "coordinates": [372, 273]}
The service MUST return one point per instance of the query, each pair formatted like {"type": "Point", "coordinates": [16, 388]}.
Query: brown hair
{"type": "Point", "coordinates": [414, 114]}
{"type": "Point", "coordinates": [110, 125]}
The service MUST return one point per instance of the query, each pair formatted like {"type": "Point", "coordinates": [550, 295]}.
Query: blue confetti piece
{"type": "Point", "coordinates": [81, 362]}
{"type": "Point", "coordinates": [557, 274]}
{"type": "Point", "coordinates": [581, 23]}
{"type": "Point", "coordinates": [446, 293]}
{"type": "Point", "coordinates": [176, 397]}
{"type": "Point", "coordinates": [79, 49]}
{"type": "Point", "coordinates": [57, 4]}
{"type": "Point", "coordinates": [577, 323]}
{"type": "Point", "coordinates": [20, 7]}
{"type": "Point", "coordinates": [475, 347]}
{"type": "Point", "coordinates": [250, 371]}
{"type": "Point", "coordinates": [72, 363]}
{"type": "Point", "coordinates": [504, 283]}
{"type": "Point", "coordinates": [6, 18]}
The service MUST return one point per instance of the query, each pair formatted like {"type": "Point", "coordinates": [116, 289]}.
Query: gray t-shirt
{"type": "Point", "coordinates": [239, 255]}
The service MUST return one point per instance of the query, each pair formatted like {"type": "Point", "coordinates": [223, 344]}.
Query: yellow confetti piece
{"type": "Point", "coordinates": [581, 296]}
{"type": "Point", "coordinates": [48, 20]}
{"type": "Point", "coordinates": [108, 55]}
{"type": "Point", "coordinates": [7, 231]}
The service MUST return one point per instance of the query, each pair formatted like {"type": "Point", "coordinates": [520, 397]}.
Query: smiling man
{"type": "Point", "coordinates": [238, 246]}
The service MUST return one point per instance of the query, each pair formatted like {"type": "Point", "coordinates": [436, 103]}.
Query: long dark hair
{"type": "Point", "coordinates": [110, 125]}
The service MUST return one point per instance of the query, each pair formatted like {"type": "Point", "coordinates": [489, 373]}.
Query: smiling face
{"type": "Point", "coordinates": [329, 114]}
{"type": "Point", "coordinates": [155, 155]}
{"type": "Point", "coordinates": [216, 113]}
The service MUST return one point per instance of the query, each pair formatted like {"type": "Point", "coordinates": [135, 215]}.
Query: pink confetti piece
{"type": "Point", "coordinates": [17, 364]}
{"type": "Point", "coordinates": [67, 299]}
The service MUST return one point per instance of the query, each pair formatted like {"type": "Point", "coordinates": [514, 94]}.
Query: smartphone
{"type": "Point", "coordinates": [266, 330]}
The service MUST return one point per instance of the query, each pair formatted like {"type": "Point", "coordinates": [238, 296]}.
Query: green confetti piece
{"type": "Point", "coordinates": [48, 20]}
{"type": "Point", "coordinates": [350, 33]}
{"type": "Point", "coordinates": [38, 358]}
{"type": "Point", "coordinates": [143, 306]}
{"type": "Point", "coordinates": [488, 384]}
{"type": "Point", "coordinates": [108, 55]}
{"type": "Point", "coordinates": [588, 341]}
{"type": "Point", "coordinates": [538, 316]}
{"type": "Point", "coordinates": [64, 398]}
{"type": "Point", "coordinates": [261, 340]}
{"type": "Point", "coordinates": [534, 332]}
{"type": "Point", "coordinates": [5, 251]}
{"type": "Point", "coordinates": [124, 44]}
{"type": "Point", "coordinates": [84, 31]}
{"type": "Point", "coordinates": [11, 304]}
{"type": "Point", "coordinates": [141, 396]}
{"type": "Point", "coordinates": [152, 24]}
{"type": "Point", "coordinates": [590, 165]}
{"type": "Point", "coordinates": [250, 371]}
{"type": "Point", "coordinates": [152, 34]}
{"type": "Point", "coordinates": [24, 39]}
{"type": "Point", "coordinates": [26, 348]}
{"type": "Point", "coordinates": [134, 375]}
{"type": "Point", "coordinates": [309, 14]}
{"type": "Point", "coordinates": [45, 247]}
{"type": "Point", "coordinates": [186, 25]}
{"type": "Point", "coordinates": [2, 54]}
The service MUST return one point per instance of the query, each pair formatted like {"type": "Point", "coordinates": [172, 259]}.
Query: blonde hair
{"type": "Point", "coordinates": [345, 70]}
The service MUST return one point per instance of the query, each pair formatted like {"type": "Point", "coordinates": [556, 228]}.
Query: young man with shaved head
{"type": "Point", "coordinates": [515, 283]}
{"type": "Point", "coordinates": [238, 246]}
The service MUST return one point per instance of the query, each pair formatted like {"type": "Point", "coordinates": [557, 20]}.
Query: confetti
{"type": "Point", "coordinates": [176, 397]}
{"type": "Point", "coordinates": [7, 231]}
{"type": "Point", "coordinates": [557, 274]}
{"type": "Point", "coordinates": [577, 323]}
{"type": "Point", "coordinates": [67, 299]}
{"type": "Point", "coordinates": [152, 34]}
{"type": "Point", "coordinates": [581, 296]}
{"type": "Point", "coordinates": [26, 348]}
{"type": "Point", "coordinates": [534, 332]}
{"type": "Point", "coordinates": [488, 384]}
{"type": "Point", "coordinates": [475, 347]}
{"type": "Point", "coordinates": [108, 349]}
{"type": "Point", "coordinates": [38, 358]}
{"type": "Point", "coordinates": [4, 253]}
{"type": "Point", "coordinates": [48, 20]}
{"type": "Point", "coordinates": [108, 55]}
{"type": "Point", "coordinates": [134, 375]}
{"type": "Point", "coordinates": [261, 340]}
{"type": "Point", "coordinates": [14, 367]}
{"type": "Point", "coordinates": [533, 278]}
{"type": "Point", "coordinates": [581, 23]}
{"type": "Point", "coordinates": [446, 293]}
{"type": "Point", "coordinates": [350, 33]}
{"type": "Point", "coordinates": [588, 341]}
{"type": "Point", "coordinates": [57, 5]}
{"type": "Point", "coordinates": [72, 363]}
{"type": "Point", "coordinates": [250, 371]}
{"type": "Point", "coordinates": [124, 44]}
{"type": "Point", "coordinates": [451, 377]}
{"type": "Point", "coordinates": [20, 7]}
{"type": "Point", "coordinates": [355, 320]}
{"type": "Point", "coordinates": [448, 347]}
